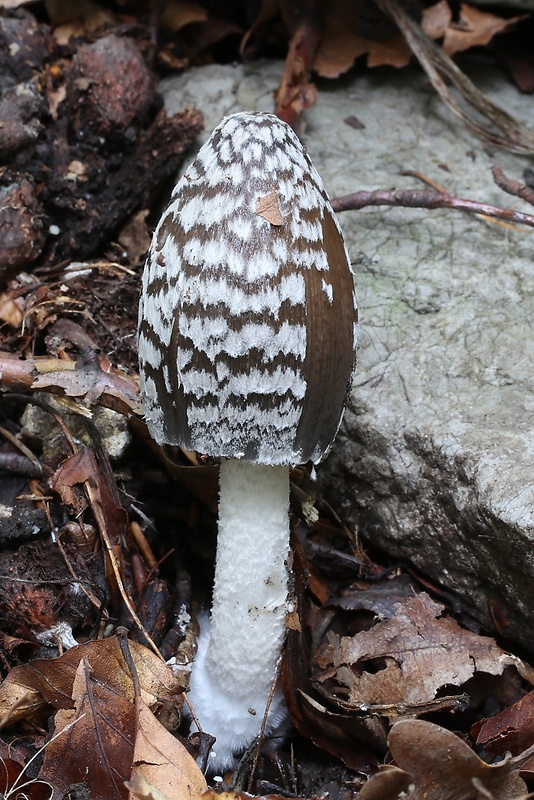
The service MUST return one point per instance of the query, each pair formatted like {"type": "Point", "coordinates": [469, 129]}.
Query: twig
{"type": "Point", "coordinates": [491, 123]}
{"type": "Point", "coordinates": [261, 737]}
{"type": "Point", "coordinates": [429, 182]}
{"type": "Point", "coordinates": [108, 547]}
{"type": "Point", "coordinates": [515, 188]}
{"type": "Point", "coordinates": [429, 199]}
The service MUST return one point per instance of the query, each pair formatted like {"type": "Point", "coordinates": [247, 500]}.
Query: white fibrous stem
{"type": "Point", "coordinates": [240, 645]}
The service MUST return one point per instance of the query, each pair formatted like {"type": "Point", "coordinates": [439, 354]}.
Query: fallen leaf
{"type": "Point", "coordinates": [510, 731]}
{"type": "Point", "coordinates": [347, 736]}
{"type": "Point", "coordinates": [474, 28]}
{"type": "Point", "coordinates": [134, 236]}
{"type": "Point", "coordinates": [178, 13]}
{"type": "Point", "coordinates": [92, 743]}
{"type": "Point", "coordinates": [389, 783]}
{"type": "Point", "coordinates": [296, 92]}
{"type": "Point", "coordinates": [436, 19]}
{"type": "Point", "coordinates": [407, 659]}
{"type": "Point", "coordinates": [16, 784]}
{"type": "Point", "coordinates": [141, 789]}
{"type": "Point", "coordinates": [393, 52]}
{"type": "Point", "coordinates": [10, 312]}
{"type": "Point", "coordinates": [163, 762]}
{"type": "Point", "coordinates": [76, 19]}
{"type": "Point", "coordinates": [267, 207]}
{"type": "Point", "coordinates": [91, 382]}
{"type": "Point", "coordinates": [347, 34]}
{"type": "Point", "coordinates": [30, 687]}
{"type": "Point", "coordinates": [435, 764]}
{"type": "Point", "coordinates": [113, 389]}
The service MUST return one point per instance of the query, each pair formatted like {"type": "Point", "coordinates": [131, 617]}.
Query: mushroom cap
{"type": "Point", "coordinates": [247, 320]}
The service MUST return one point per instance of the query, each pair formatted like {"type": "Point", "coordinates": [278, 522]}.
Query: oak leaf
{"type": "Point", "coordinates": [93, 742]}
{"type": "Point", "coordinates": [435, 764]}
{"type": "Point", "coordinates": [163, 762]}
{"type": "Point", "coordinates": [403, 661]}
{"type": "Point", "coordinates": [30, 687]}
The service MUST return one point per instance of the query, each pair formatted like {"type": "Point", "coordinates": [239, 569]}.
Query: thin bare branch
{"type": "Point", "coordinates": [515, 188]}
{"type": "Point", "coordinates": [429, 199]}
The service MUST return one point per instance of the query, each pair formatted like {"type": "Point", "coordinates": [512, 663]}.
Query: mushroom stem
{"type": "Point", "coordinates": [240, 647]}
{"type": "Point", "coordinates": [247, 616]}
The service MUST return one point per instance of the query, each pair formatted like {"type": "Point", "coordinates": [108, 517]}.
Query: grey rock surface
{"type": "Point", "coordinates": [434, 461]}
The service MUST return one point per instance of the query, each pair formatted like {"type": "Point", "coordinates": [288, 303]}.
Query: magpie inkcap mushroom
{"type": "Point", "coordinates": [247, 340]}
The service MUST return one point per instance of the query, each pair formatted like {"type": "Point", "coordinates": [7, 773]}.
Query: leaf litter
{"type": "Point", "coordinates": [368, 650]}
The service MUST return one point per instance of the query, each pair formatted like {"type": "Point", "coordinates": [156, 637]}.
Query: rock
{"type": "Point", "coordinates": [40, 428]}
{"type": "Point", "coordinates": [21, 107]}
{"type": "Point", "coordinates": [24, 45]}
{"type": "Point", "coordinates": [106, 104]}
{"type": "Point", "coordinates": [434, 459]}
{"type": "Point", "coordinates": [22, 235]}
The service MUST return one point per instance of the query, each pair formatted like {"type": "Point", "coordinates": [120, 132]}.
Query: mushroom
{"type": "Point", "coordinates": [247, 337]}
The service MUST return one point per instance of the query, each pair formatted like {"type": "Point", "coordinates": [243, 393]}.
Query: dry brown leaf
{"type": "Point", "coordinates": [29, 687]}
{"type": "Point", "coordinates": [344, 38]}
{"type": "Point", "coordinates": [163, 761]}
{"type": "Point", "coordinates": [436, 19]}
{"type": "Point", "coordinates": [296, 92]}
{"type": "Point", "coordinates": [390, 783]}
{"type": "Point", "coordinates": [134, 236]}
{"type": "Point", "coordinates": [437, 765]}
{"type": "Point", "coordinates": [76, 19]}
{"type": "Point", "coordinates": [18, 702]}
{"type": "Point", "coordinates": [407, 659]}
{"type": "Point", "coordinates": [443, 766]}
{"type": "Point", "coordinates": [510, 731]}
{"type": "Point", "coordinates": [393, 52]}
{"type": "Point", "coordinates": [91, 382]}
{"type": "Point", "coordinates": [474, 28]}
{"type": "Point", "coordinates": [338, 733]}
{"type": "Point", "coordinates": [83, 26]}
{"type": "Point", "coordinates": [94, 742]}
{"type": "Point", "coordinates": [15, 784]}
{"type": "Point", "coordinates": [338, 50]}
{"type": "Point", "coordinates": [142, 790]}
{"type": "Point", "coordinates": [343, 41]}
{"type": "Point", "coordinates": [178, 13]}
{"type": "Point", "coordinates": [113, 389]}
{"type": "Point", "coordinates": [104, 733]}
{"type": "Point", "coordinates": [10, 312]}
{"type": "Point", "coordinates": [479, 114]}
{"type": "Point", "coordinates": [268, 208]}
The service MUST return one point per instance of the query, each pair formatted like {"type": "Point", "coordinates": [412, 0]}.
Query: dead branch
{"type": "Point", "coordinates": [515, 188]}
{"type": "Point", "coordinates": [429, 199]}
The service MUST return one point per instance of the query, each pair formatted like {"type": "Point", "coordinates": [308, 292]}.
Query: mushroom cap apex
{"type": "Point", "coordinates": [247, 321]}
